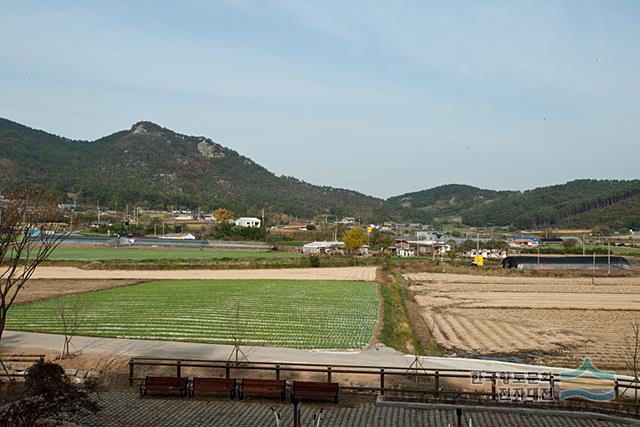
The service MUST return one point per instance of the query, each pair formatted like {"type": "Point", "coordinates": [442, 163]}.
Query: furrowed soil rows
{"type": "Point", "coordinates": [279, 313]}
{"type": "Point", "coordinates": [556, 321]}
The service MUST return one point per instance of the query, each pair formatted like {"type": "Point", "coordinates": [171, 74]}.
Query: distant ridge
{"type": "Point", "coordinates": [580, 203]}
{"type": "Point", "coordinates": [152, 166]}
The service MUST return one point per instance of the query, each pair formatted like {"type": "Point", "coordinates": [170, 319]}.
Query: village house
{"type": "Point", "coordinates": [318, 248]}
{"type": "Point", "coordinates": [248, 221]}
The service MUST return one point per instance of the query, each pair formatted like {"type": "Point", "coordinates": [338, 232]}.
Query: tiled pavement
{"type": "Point", "coordinates": [125, 408]}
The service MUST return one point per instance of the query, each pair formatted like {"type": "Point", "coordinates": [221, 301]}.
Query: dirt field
{"type": "Point", "coordinates": [555, 321]}
{"type": "Point", "coordinates": [336, 273]}
{"type": "Point", "coordinates": [50, 288]}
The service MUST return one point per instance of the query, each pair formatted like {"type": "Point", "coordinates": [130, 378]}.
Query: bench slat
{"type": "Point", "coordinates": [264, 388]}
{"type": "Point", "coordinates": [312, 389]}
{"type": "Point", "coordinates": [164, 384]}
{"type": "Point", "coordinates": [213, 385]}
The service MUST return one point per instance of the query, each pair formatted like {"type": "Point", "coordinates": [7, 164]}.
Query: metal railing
{"type": "Point", "coordinates": [482, 379]}
{"type": "Point", "coordinates": [28, 359]}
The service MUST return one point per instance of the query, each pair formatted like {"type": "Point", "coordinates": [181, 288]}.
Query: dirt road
{"type": "Point", "coordinates": [338, 273]}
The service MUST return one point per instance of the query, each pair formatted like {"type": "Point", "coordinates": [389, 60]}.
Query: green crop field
{"type": "Point", "coordinates": [139, 254]}
{"type": "Point", "coordinates": [277, 313]}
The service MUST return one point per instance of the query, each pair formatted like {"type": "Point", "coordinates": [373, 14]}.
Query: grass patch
{"type": "Point", "coordinates": [282, 260]}
{"type": "Point", "coordinates": [140, 254]}
{"type": "Point", "coordinates": [279, 313]}
{"type": "Point", "coordinates": [397, 330]}
{"type": "Point", "coordinates": [403, 326]}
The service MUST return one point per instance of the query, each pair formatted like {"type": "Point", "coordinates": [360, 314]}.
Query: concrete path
{"type": "Point", "coordinates": [378, 356]}
{"type": "Point", "coordinates": [330, 273]}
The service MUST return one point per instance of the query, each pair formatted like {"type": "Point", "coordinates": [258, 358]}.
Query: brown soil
{"type": "Point", "coordinates": [329, 273]}
{"type": "Point", "coordinates": [38, 289]}
{"type": "Point", "coordinates": [555, 321]}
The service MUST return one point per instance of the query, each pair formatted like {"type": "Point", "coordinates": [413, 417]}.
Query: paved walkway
{"type": "Point", "coordinates": [378, 356]}
{"type": "Point", "coordinates": [329, 273]}
{"type": "Point", "coordinates": [126, 408]}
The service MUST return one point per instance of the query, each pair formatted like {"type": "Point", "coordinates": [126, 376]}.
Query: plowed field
{"type": "Point", "coordinates": [540, 320]}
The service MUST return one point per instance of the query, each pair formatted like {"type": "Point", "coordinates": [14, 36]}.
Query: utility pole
{"type": "Point", "coordinates": [584, 250]}
{"type": "Point", "coordinates": [593, 276]}
{"type": "Point", "coordinates": [98, 211]}
{"type": "Point", "coordinates": [609, 257]}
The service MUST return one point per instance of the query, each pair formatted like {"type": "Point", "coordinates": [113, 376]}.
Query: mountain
{"type": "Point", "coordinates": [445, 202]}
{"type": "Point", "coordinates": [580, 203]}
{"type": "Point", "coordinates": [154, 166]}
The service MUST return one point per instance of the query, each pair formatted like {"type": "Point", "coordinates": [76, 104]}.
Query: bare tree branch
{"type": "Point", "coordinates": [632, 357]}
{"type": "Point", "coordinates": [69, 312]}
{"type": "Point", "coordinates": [28, 236]}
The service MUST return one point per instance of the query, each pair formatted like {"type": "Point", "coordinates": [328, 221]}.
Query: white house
{"type": "Point", "coordinates": [183, 217]}
{"type": "Point", "coordinates": [317, 248]}
{"type": "Point", "coordinates": [248, 221]}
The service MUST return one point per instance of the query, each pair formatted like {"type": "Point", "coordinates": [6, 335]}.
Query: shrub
{"type": "Point", "coordinates": [48, 393]}
{"type": "Point", "coordinates": [314, 261]}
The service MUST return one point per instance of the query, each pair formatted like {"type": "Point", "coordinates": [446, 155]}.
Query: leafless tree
{"type": "Point", "coordinates": [28, 235]}
{"type": "Point", "coordinates": [69, 311]}
{"type": "Point", "coordinates": [238, 333]}
{"type": "Point", "coordinates": [632, 358]}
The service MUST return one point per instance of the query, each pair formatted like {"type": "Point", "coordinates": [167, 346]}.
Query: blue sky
{"type": "Point", "coordinates": [381, 97]}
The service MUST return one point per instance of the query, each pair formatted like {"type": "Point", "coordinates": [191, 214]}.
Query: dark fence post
{"type": "Point", "coordinates": [436, 383]}
{"type": "Point", "coordinates": [616, 389]}
{"type": "Point", "coordinates": [552, 386]}
{"type": "Point", "coordinates": [277, 372]}
{"type": "Point", "coordinates": [493, 386]}
{"type": "Point", "coordinates": [382, 381]}
{"type": "Point", "coordinates": [328, 374]}
{"type": "Point", "coordinates": [459, 416]}
{"type": "Point", "coordinates": [130, 372]}
{"type": "Point", "coordinates": [226, 370]}
{"type": "Point", "coordinates": [178, 368]}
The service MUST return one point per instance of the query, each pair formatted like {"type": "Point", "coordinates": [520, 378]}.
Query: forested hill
{"type": "Point", "coordinates": [153, 166]}
{"type": "Point", "coordinates": [582, 203]}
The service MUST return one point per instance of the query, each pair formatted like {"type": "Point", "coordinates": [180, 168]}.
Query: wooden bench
{"type": "Point", "coordinates": [263, 388]}
{"type": "Point", "coordinates": [165, 385]}
{"type": "Point", "coordinates": [314, 390]}
{"type": "Point", "coordinates": [214, 386]}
